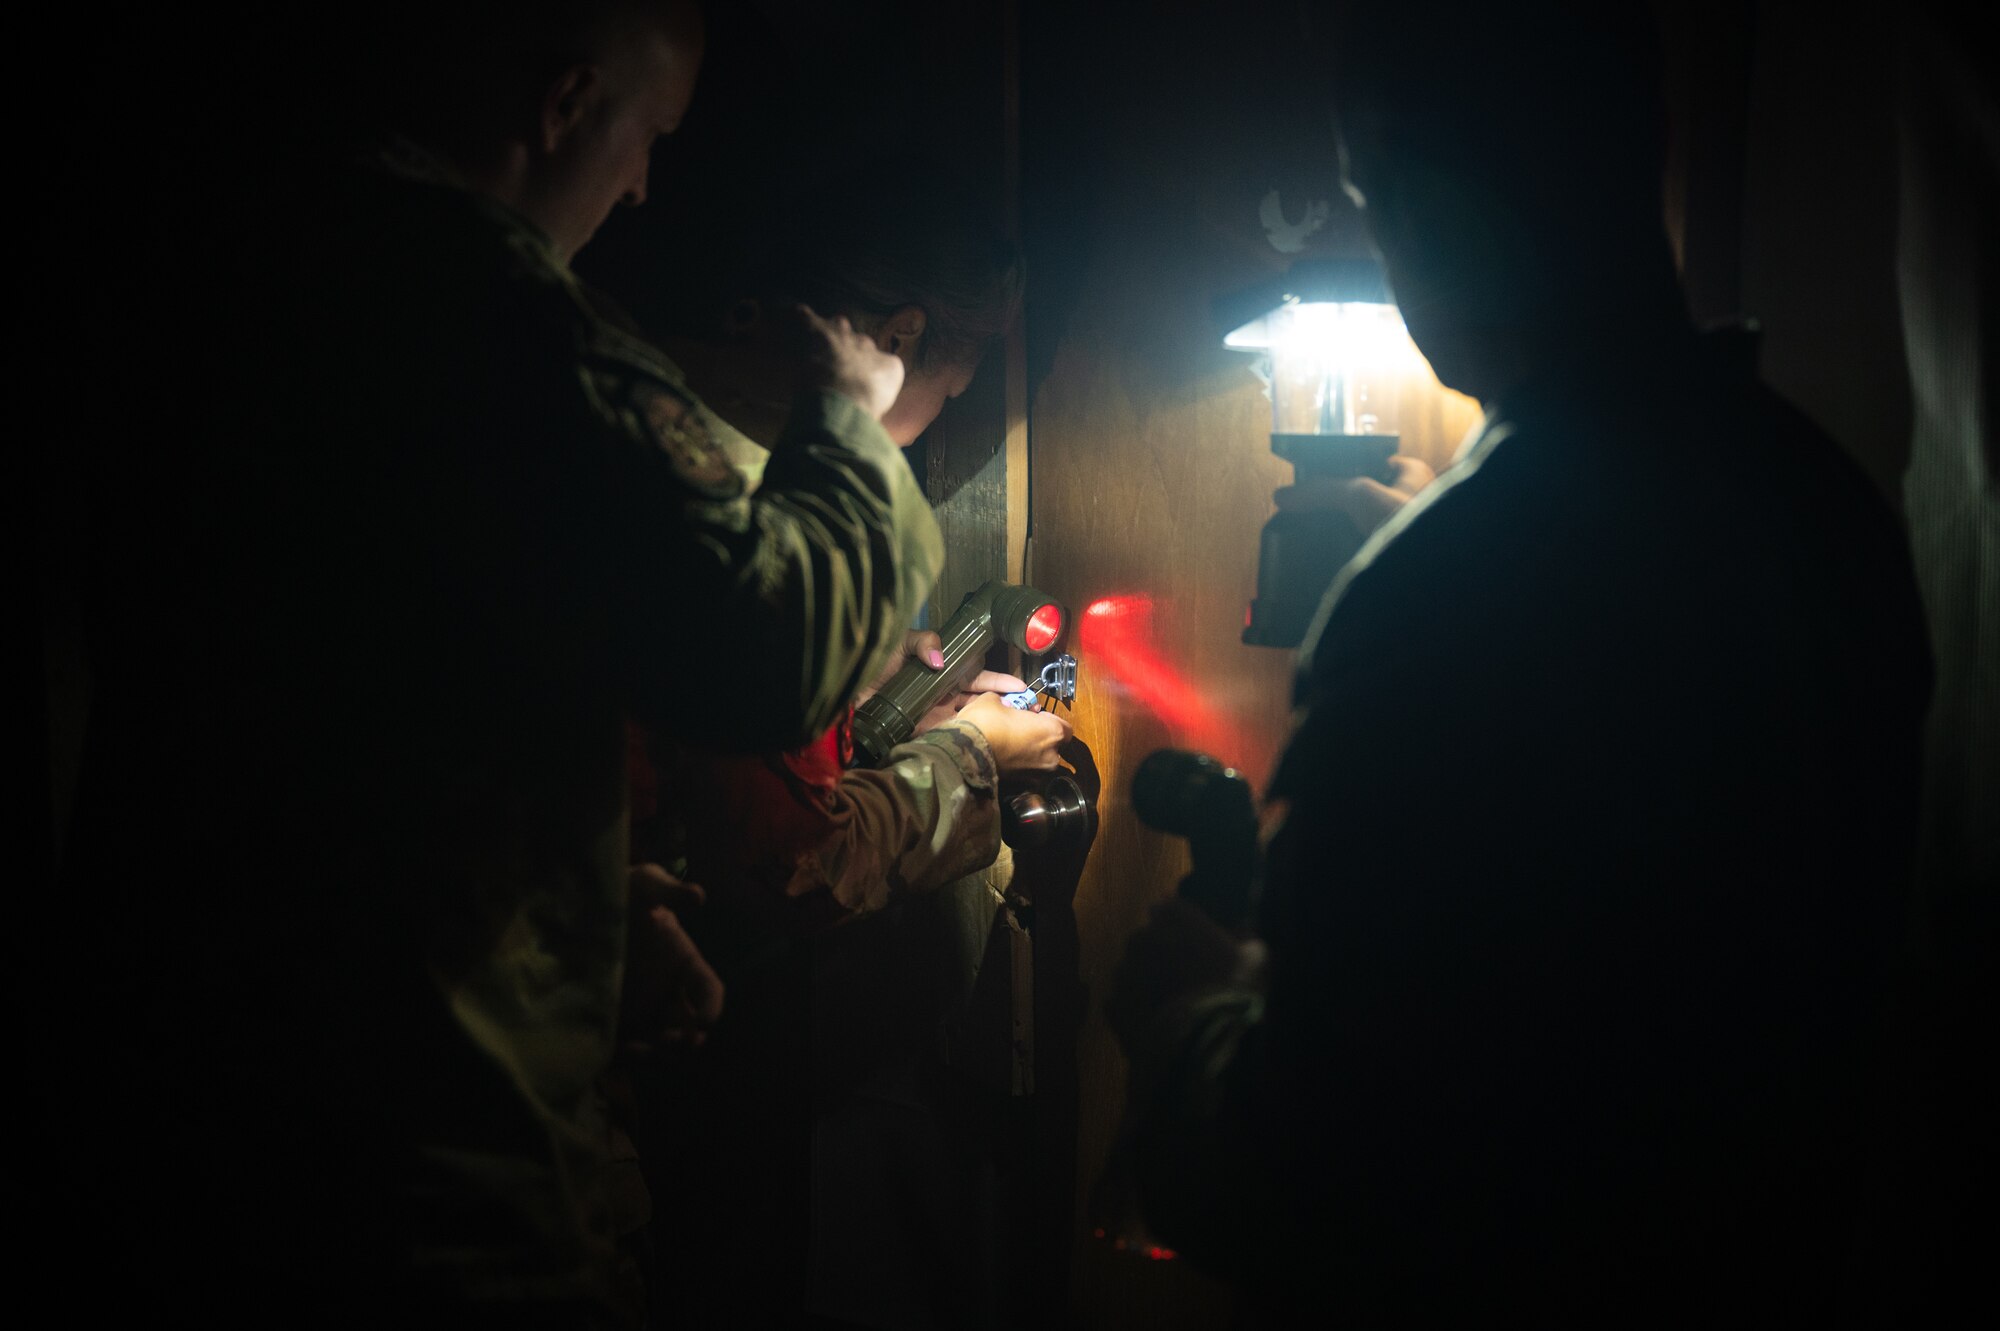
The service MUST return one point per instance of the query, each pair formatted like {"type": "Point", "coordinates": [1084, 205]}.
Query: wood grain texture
{"type": "Point", "coordinates": [1150, 493]}
{"type": "Point", "coordinates": [1151, 476]}
{"type": "Point", "coordinates": [966, 480]}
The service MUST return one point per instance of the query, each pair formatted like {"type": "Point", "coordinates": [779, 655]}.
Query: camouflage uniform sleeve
{"type": "Point", "coordinates": [750, 619]}
{"type": "Point", "coordinates": [930, 816]}
{"type": "Point", "coordinates": [836, 485]}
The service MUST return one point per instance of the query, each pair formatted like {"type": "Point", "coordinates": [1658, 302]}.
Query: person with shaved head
{"type": "Point", "coordinates": [350, 880]}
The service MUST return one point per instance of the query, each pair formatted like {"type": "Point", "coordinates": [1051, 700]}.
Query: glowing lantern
{"type": "Point", "coordinates": [1336, 351]}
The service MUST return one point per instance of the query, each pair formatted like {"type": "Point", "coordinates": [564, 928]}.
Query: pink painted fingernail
{"type": "Point", "coordinates": [936, 658]}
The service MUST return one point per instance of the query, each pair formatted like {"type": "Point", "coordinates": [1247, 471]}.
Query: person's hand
{"type": "Point", "coordinates": [672, 996]}
{"type": "Point", "coordinates": [1177, 953]}
{"type": "Point", "coordinates": [952, 703]}
{"type": "Point", "coordinates": [836, 359]}
{"type": "Point", "coordinates": [925, 647]}
{"type": "Point", "coordinates": [1022, 740]}
{"type": "Point", "coordinates": [1367, 502]}
{"type": "Point", "coordinates": [920, 645]}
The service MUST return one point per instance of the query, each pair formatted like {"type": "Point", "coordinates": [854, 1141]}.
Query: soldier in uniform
{"type": "Point", "coordinates": [791, 844]}
{"type": "Point", "coordinates": [412, 535]}
{"type": "Point", "coordinates": [910, 260]}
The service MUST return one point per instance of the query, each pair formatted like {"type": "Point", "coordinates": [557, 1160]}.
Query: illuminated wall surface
{"type": "Point", "coordinates": [1149, 494]}
{"type": "Point", "coordinates": [1151, 467]}
{"type": "Point", "coordinates": [1152, 475]}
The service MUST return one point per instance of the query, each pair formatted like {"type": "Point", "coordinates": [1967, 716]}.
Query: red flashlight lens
{"type": "Point", "coordinates": [1044, 627]}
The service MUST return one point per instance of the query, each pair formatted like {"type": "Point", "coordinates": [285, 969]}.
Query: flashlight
{"type": "Point", "coordinates": [1029, 619]}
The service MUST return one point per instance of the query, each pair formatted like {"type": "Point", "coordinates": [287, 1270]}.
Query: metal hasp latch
{"type": "Point", "coordinates": [1057, 682]}
{"type": "Point", "coordinates": [1054, 808]}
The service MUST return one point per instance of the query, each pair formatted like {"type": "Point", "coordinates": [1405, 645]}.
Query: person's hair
{"type": "Point", "coordinates": [465, 60]}
{"type": "Point", "coordinates": [894, 234]}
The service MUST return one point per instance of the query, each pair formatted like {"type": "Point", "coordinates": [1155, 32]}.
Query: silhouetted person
{"type": "Point", "coordinates": [1598, 809]}
{"type": "Point", "coordinates": [407, 535]}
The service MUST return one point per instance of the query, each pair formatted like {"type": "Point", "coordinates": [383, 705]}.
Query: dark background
{"type": "Point", "coordinates": [1832, 174]}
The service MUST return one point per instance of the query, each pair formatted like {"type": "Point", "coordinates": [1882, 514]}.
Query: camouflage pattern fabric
{"type": "Point", "coordinates": [432, 529]}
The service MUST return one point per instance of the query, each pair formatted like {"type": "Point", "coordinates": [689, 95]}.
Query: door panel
{"type": "Point", "coordinates": [1152, 472]}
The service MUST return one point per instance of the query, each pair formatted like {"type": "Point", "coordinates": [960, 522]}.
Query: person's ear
{"type": "Point", "coordinates": [902, 332]}
{"type": "Point", "coordinates": [567, 102]}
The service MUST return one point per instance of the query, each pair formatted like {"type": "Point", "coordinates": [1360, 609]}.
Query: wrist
{"type": "Point", "coordinates": [969, 749]}
{"type": "Point", "coordinates": [830, 411]}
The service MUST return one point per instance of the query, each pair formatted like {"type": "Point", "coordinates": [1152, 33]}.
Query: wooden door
{"type": "Point", "coordinates": [1151, 147]}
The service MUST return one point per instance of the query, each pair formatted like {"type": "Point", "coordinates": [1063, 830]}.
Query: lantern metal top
{"type": "Point", "coordinates": [1244, 316]}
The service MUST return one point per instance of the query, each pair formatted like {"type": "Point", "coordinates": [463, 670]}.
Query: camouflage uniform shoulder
{"type": "Point", "coordinates": [638, 388]}
{"type": "Point", "coordinates": [530, 267]}
{"type": "Point", "coordinates": [627, 381]}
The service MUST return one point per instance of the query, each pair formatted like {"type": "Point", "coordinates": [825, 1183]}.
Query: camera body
{"type": "Point", "coordinates": [1194, 796]}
